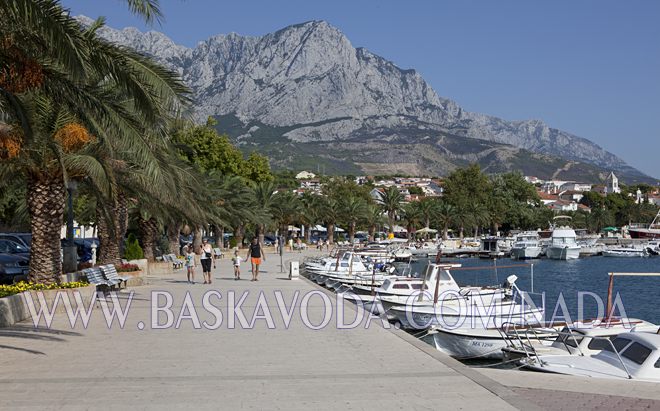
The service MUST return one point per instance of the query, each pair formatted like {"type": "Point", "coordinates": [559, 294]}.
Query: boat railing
{"type": "Point", "coordinates": [520, 338]}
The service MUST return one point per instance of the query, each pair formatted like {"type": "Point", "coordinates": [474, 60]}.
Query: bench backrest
{"type": "Point", "coordinates": [94, 275]}
{"type": "Point", "coordinates": [110, 272]}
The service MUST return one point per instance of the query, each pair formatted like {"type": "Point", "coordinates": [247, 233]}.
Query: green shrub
{"type": "Point", "coordinates": [232, 242]}
{"type": "Point", "coordinates": [133, 251]}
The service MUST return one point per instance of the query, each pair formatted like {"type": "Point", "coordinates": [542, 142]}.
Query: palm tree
{"type": "Point", "coordinates": [353, 209]}
{"type": "Point", "coordinates": [285, 209]}
{"type": "Point", "coordinates": [445, 214]}
{"type": "Point", "coordinates": [312, 207]}
{"type": "Point", "coordinates": [390, 200]}
{"type": "Point", "coordinates": [373, 218]}
{"type": "Point", "coordinates": [428, 209]}
{"type": "Point", "coordinates": [263, 195]}
{"type": "Point", "coordinates": [331, 213]}
{"type": "Point", "coordinates": [58, 92]}
{"type": "Point", "coordinates": [412, 215]}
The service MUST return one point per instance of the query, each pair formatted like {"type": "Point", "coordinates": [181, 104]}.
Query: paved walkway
{"type": "Point", "coordinates": [260, 368]}
{"type": "Point", "coordinates": [257, 368]}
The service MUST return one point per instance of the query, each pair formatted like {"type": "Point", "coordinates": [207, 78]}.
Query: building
{"type": "Point", "coordinates": [571, 186]}
{"type": "Point", "coordinates": [612, 184]}
{"type": "Point", "coordinates": [304, 175]}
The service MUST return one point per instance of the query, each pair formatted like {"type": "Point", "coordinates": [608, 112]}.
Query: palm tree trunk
{"type": "Point", "coordinates": [331, 233]}
{"type": "Point", "coordinates": [45, 201]}
{"type": "Point", "coordinates": [148, 233]}
{"type": "Point", "coordinates": [371, 230]}
{"type": "Point", "coordinates": [260, 233]}
{"type": "Point", "coordinates": [108, 241]}
{"type": "Point", "coordinates": [351, 231]}
{"type": "Point", "coordinates": [121, 215]}
{"type": "Point", "coordinates": [462, 231]}
{"type": "Point", "coordinates": [197, 239]}
{"type": "Point", "coordinates": [445, 232]}
{"type": "Point", "coordinates": [219, 235]}
{"type": "Point", "coordinates": [173, 234]}
{"type": "Point", "coordinates": [239, 234]}
{"type": "Point", "coordinates": [390, 220]}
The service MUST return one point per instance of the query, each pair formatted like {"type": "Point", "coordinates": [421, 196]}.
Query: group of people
{"type": "Point", "coordinates": [207, 257]}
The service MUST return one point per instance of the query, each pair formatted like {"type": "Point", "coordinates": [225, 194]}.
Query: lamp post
{"type": "Point", "coordinates": [70, 263]}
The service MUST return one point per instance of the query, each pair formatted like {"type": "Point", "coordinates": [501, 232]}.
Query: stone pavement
{"type": "Point", "coordinates": [259, 368]}
{"type": "Point", "coordinates": [140, 367]}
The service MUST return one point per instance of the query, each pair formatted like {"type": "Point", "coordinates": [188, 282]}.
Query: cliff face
{"type": "Point", "coordinates": [307, 84]}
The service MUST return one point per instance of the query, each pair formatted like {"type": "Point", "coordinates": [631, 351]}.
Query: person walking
{"type": "Point", "coordinates": [206, 259]}
{"type": "Point", "coordinates": [237, 265]}
{"type": "Point", "coordinates": [190, 264]}
{"type": "Point", "coordinates": [255, 254]}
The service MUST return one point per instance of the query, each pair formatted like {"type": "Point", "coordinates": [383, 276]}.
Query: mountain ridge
{"type": "Point", "coordinates": [310, 73]}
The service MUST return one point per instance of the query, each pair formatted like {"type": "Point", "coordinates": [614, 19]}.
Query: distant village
{"type": "Point", "coordinates": [558, 195]}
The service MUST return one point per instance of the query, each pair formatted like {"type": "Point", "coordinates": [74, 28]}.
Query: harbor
{"type": "Point", "coordinates": [294, 368]}
{"type": "Point", "coordinates": [476, 311]}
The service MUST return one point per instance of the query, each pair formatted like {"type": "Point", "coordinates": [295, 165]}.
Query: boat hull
{"type": "Point", "coordinates": [525, 253]}
{"type": "Point", "coordinates": [466, 347]}
{"type": "Point", "coordinates": [563, 253]}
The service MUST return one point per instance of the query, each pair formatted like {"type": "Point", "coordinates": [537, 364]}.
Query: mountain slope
{"type": "Point", "coordinates": [308, 83]}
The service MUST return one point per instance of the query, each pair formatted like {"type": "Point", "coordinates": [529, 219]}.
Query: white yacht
{"type": "Point", "coordinates": [630, 356]}
{"type": "Point", "coordinates": [526, 246]}
{"type": "Point", "coordinates": [653, 247]}
{"type": "Point", "coordinates": [563, 243]}
{"type": "Point", "coordinates": [625, 252]}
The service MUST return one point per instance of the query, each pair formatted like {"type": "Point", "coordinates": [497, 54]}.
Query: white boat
{"type": "Point", "coordinates": [451, 308]}
{"type": "Point", "coordinates": [653, 247]}
{"type": "Point", "coordinates": [563, 244]}
{"type": "Point", "coordinates": [578, 338]}
{"type": "Point", "coordinates": [468, 342]}
{"type": "Point", "coordinates": [490, 248]}
{"type": "Point", "coordinates": [526, 246]}
{"type": "Point", "coordinates": [625, 252]}
{"type": "Point", "coordinates": [634, 355]}
{"type": "Point", "coordinates": [398, 290]}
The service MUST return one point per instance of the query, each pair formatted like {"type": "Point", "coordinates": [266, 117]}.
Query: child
{"type": "Point", "coordinates": [237, 265]}
{"type": "Point", "coordinates": [190, 264]}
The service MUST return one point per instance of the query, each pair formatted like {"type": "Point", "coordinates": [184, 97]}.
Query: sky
{"type": "Point", "coordinates": [589, 67]}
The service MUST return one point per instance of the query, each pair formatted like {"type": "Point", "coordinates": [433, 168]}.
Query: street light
{"type": "Point", "coordinates": [70, 263]}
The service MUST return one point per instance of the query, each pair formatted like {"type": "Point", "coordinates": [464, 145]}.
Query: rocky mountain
{"type": "Point", "coordinates": [304, 96]}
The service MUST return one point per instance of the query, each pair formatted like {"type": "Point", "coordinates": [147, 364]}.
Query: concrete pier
{"type": "Point", "coordinates": [257, 367]}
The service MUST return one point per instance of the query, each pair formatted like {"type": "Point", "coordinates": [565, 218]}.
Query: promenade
{"type": "Point", "coordinates": [139, 367]}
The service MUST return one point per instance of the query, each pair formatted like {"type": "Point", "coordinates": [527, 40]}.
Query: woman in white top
{"type": "Point", "coordinates": [206, 258]}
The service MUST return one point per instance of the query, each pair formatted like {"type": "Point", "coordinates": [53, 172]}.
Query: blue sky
{"type": "Point", "coordinates": [590, 67]}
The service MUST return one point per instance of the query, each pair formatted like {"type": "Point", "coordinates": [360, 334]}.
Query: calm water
{"type": "Point", "coordinates": [640, 295]}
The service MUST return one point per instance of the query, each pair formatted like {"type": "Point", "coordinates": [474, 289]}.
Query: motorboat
{"type": "Point", "coordinates": [490, 248]}
{"type": "Point", "coordinates": [398, 290]}
{"type": "Point", "coordinates": [630, 356]}
{"type": "Point", "coordinates": [475, 341]}
{"type": "Point", "coordinates": [451, 308]}
{"type": "Point", "coordinates": [650, 231]}
{"type": "Point", "coordinates": [526, 246]}
{"type": "Point", "coordinates": [577, 338]}
{"type": "Point", "coordinates": [563, 244]}
{"type": "Point", "coordinates": [626, 252]}
{"type": "Point", "coordinates": [653, 247]}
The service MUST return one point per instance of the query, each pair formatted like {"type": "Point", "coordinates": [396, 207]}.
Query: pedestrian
{"type": "Point", "coordinates": [255, 254]}
{"type": "Point", "coordinates": [237, 265]}
{"type": "Point", "coordinates": [206, 257]}
{"type": "Point", "coordinates": [190, 264]}
{"type": "Point", "coordinates": [291, 244]}
{"type": "Point", "coordinates": [299, 244]}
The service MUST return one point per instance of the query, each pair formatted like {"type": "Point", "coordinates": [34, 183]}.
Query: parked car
{"type": "Point", "coordinates": [25, 239]}
{"type": "Point", "coordinates": [13, 247]}
{"type": "Point", "coordinates": [270, 240]}
{"type": "Point", "coordinates": [12, 266]}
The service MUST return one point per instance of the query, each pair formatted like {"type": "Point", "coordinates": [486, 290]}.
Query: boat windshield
{"type": "Point", "coordinates": [637, 353]}
{"type": "Point", "coordinates": [619, 344]}
{"type": "Point", "coordinates": [570, 338]}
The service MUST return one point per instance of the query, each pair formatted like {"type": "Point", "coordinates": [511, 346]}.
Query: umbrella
{"type": "Point", "coordinates": [610, 229]}
{"type": "Point", "coordinates": [426, 230]}
{"type": "Point", "coordinates": [292, 228]}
